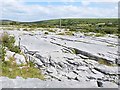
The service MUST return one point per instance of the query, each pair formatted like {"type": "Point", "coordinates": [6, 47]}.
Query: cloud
{"type": "Point", "coordinates": [71, 0]}
{"type": "Point", "coordinates": [100, 0]}
{"type": "Point", "coordinates": [85, 3]}
{"type": "Point", "coordinates": [18, 10]}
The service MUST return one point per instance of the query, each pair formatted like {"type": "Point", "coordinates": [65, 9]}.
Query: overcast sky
{"type": "Point", "coordinates": [35, 10]}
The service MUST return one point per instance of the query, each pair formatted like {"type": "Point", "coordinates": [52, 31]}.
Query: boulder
{"type": "Point", "coordinates": [8, 55]}
{"type": "Point", "coordinates": [20, 59]}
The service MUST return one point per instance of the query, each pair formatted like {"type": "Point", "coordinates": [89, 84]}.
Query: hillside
{"type": "Point", "coordinates": [103, 25]}
{"type": "Point", "coordinates": [67, 21]}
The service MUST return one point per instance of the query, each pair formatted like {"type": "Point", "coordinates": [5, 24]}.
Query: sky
{"type": "Point", "coordinates": [36, 10]}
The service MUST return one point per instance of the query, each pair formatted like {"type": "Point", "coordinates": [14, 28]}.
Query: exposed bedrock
{"type": "Point", "coordinates": [75, 69]}
{"type": "Point", "coordinates": [83, 61]}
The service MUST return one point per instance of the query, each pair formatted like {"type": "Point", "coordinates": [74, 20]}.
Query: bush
{"type": "Point", "coordinates": [5, 38]}
{"type": "Point", "coordinates": [9, 41]}
{"type": "Point", "coordinates": [15, 49]}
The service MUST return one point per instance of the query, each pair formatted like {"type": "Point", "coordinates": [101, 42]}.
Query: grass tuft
{"type": "Point", "coordinates": [104, 62]}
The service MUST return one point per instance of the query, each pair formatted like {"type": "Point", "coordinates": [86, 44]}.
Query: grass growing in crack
{"type": "Point", "coordinates": [73, 51]}
{"type": "Point", "coordinates": [104, 62]}
{"type": "Point", "coordinates": [110, 45]}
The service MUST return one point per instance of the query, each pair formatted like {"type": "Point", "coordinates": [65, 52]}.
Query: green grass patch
{"type": "Point", "coordinates": [73, 51]}
{"type": "Point", "coordinates": [99, 35]}
{"type": "Point", "coordinates": [104, 62]}
{"type": "Point", "coordinates": [12, 70]}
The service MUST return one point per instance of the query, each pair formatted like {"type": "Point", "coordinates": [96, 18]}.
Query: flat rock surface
{"type": "Point", "coordinates": [64, 68]}
{"type": "Point", "coordinates": [36, 83]}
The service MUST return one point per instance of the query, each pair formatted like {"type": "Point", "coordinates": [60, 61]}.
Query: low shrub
{"type": "Point", "coordinates": [9, 41]}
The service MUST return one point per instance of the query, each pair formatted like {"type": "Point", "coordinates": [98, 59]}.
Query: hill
{"type": "Point", "coordinates": [97, 25]}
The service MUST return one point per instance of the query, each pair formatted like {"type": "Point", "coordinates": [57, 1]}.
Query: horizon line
{"type": "Point", "coordinates": [58, 19]}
